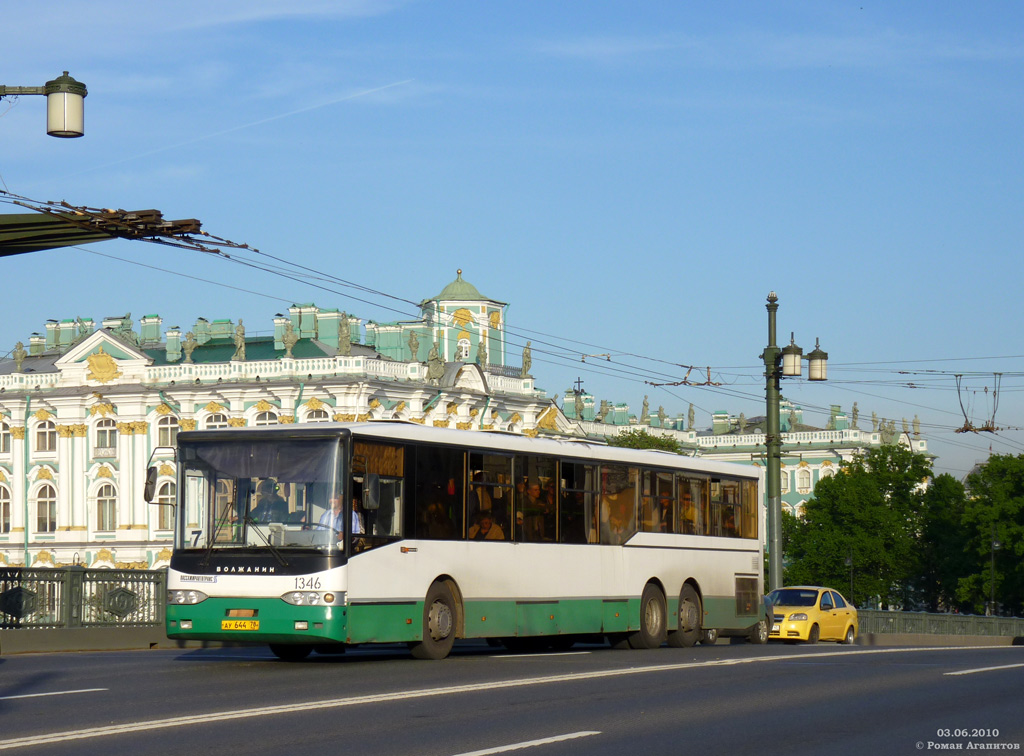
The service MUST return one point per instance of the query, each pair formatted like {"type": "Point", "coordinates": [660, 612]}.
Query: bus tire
{"type": "Point", "coordinates": [759, 633]}
{"type": "Point", "coordinates": [289, 652]}
{"type": "Point", "coordinates": [653, 619]}
{"type": "Point", "coordinates": [690, 612]}
{"type": "Point", "coordinates": [440, 623]}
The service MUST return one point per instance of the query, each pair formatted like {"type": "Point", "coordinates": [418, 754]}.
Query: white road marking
{"type": "Point", "coordinates": [531, 743]}
{"type": "Point", "coordinates": [336, 703]}
{"type": "Point", "coordinates": [54, 693]}
{"type": "Point", "coordinates": [527, 656]}
{"type": "Point", "coordinates": [982, 669]}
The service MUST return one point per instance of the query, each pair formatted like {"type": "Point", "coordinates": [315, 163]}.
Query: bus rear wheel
{"type": "Point", "coordinates": [652, 619]}
{"type": "Point", "coordinates": [440, 620]}
{"type": "Point", "coordinates": [290, 653]}
{"type": "Point", "coordinates": [689, 630]}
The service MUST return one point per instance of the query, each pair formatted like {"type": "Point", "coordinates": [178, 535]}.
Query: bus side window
{"type": "Point", "coordinates": [577, 511]}
{"type": "Point", "coordinates": [439, 502]}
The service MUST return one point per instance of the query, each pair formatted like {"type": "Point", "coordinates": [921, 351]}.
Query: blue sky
{"type": "Point", "coordinates": [633, 176]}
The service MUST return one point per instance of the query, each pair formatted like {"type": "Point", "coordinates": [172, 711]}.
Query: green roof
{"type": "Point", "coordinates": [461, 291]}
{"type": "Point", "coordinates": [257, 349]}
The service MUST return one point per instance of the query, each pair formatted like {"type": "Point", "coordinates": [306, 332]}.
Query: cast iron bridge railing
{"type": "Point", "coordinates": [68, 597]}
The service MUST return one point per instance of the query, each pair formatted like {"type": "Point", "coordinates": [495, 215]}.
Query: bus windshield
{"type": "Point", "coordinates": [261, 493]}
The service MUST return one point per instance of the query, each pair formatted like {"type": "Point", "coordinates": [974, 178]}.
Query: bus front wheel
{"type": "Point", "coordinates": [689, 630]}
{"type": "Point", "coordinates": [439, 624]}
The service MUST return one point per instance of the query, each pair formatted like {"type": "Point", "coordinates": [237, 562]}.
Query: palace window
{"type": "Point", "coordinates": [784, 482]}
{"type": "Point", "coordinates": [167, 431]}
{"type": "Point", "coordinates": [5, 438]}
{"type": "Point", "coordinates": [106, 438]}
{"type": "Point", "coordinates": [317, 416]}
{"type": "Point", "coordinates": [5, 509]}
{"type": "Point", "coordinates": [217, 420]}
{"type": "Point", "coordinates": [266, 418]}
{"type": "Point", "coordinates": [46, 509]}
{"type": "Point", "coordinates": [106, 508]}
{"type": "Point", "coordinates": [46, 436]}
{"type": "Point", "coordinates": [165, 499]}
{"type": "Point", "coordinates": [803, 481]}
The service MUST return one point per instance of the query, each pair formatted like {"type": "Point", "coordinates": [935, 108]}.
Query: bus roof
{"type": "Point", "coordinates": [483, 440]}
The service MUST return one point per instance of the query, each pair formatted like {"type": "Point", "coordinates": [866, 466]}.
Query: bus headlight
{"type": "Point", "coordinates": [313, 598]}
{"type": "Point", "coordinates": [185, 597]}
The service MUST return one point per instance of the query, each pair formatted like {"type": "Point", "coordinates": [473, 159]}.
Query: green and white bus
{"type": "Point", "coordinates": [321, 536]}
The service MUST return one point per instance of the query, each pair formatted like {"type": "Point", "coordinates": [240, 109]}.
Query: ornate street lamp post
{"type": "Point", "coordinates": [65, 107]}
{"type": "Point", "coordinates": [780, 363]}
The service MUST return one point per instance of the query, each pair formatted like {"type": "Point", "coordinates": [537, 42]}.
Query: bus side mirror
{"type": "Point", "coordinates": [149, 493]}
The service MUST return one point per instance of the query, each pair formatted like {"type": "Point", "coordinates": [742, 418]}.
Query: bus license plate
{"type": "Point", "coordinates": [239, 624]}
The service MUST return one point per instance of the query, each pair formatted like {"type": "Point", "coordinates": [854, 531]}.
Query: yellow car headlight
{"type": "Point", "coordinates": [798, 617]}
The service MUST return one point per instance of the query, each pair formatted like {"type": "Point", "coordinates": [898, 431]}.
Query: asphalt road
{"type": "Point", "coordinates": [724, 699]}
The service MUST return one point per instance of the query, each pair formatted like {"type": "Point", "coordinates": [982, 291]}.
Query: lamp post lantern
{"type": "Point", "coordinates": [65, 107]}
{"type": "Point", "coordinates": [780, 363]}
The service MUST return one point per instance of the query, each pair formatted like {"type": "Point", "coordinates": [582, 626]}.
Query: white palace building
{"type": "Point", "coordinates": [83, 409]}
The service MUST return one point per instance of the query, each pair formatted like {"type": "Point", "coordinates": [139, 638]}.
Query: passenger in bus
{"type": "Point", "coordinates": [689, 514]}
{"type": "Point", "coordinates": [535, 513]}
{"type": "Point", "coordinates": [333, 518]}
{"type": "Point", "coordinates": [271, 507]}
{"type": "Point", "coordinates": [485, 529]}
{"type": "Point", "coordinates": [438, 525]}
{"type": "Point", "coordinates": [665, 512]}
{"type": "Point", "coordinates": [479, 497]}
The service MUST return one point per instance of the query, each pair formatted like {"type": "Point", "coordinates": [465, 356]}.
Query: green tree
{"type": "Point", "coordinates": [638, 438]}
{"type": "Point", "coordinates": [995, 512]}
{"type": "Point", "coordinates": [943, 545]}
{"type": "Point", "coordinates": [861, 527]}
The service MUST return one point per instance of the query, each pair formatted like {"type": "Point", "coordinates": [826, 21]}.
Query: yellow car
{"type": "Point", "coordinates": [811, 613]}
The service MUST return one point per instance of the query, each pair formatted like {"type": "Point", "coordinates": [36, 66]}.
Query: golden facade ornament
{"type": "Point", "coordinates": [187, 423]}
{"type": "Point", "coordinates": [364, 418]}
{"type": "Point", "coordinates": [104, 555]}
{"type": "Point", "coordinates": [464, 426]}
{"type": "Point", "coordinates": [105, 472]}
{"type": "Point", "coordinates": [315, 404]}
{"type": "Point", "coordinates": [462, 318]}
{"type": "Point", "coordinates": [102, 367]}
{"type": "Point", "coordinates": [64, 431]}
{"type": "Point", "coordinates": [803, 464]}
{"type": "Point", "coordinates": [213, 407]}
{"type": "Point", "coordinates": [418, 420]}
{"type": "Point", "coordinates": [516, 418]}
{"type": "Point", "coordinates": [342, 418]}
{"type": "Point", "coordinates": [164, 409]}
{"type": "Point", "coordinates": [548, 420]}
{"type": "Point", "coordinates": [532, 433]}
{"type": "Point", "coordinates": [42, 415]}
{"type": "Point", "coordinates": [400, 407]}
{"type": "Point", "coordinates": [18, 432]}
{"type": "Point", "coordinates": [45, 473]}
{"type": "Point", "coordinates": [474, 412]}
{"type": "Point", "coordinates": [264, 406]}
{"type": "Point", "coordinates": [164, 555]}
{"type": "Point", "coordinates": [440, 423]}
{"type": "Point", "coordinates": [45, 557]}
{"type": "Point", "coordinates": [165, 471]}
{"type": "Point", "coordinates": [495, 320]}
{"type": "Point", "coordinates": [125, 429]}
{"type": "Point", "coordinates": [140, 427]}
{"type": "Point", "coordinates": [375, 404]}
{"type": "Point", "coordinates": [286, 419]}
{"type": "Point", "coordinates": [453, 408]}
{"type": "Point", "coordinates": [3, 477]}
{"type": "Point", "coordinates": [826, 463]}
{"type": "Point", "coordinates": [236, 422]}
{"type": "Point", "coordinates": [486, 427]}
{"type": "Point", "coordinates": [80, 430]}
{"type": "Point", "coordinates": [103, 409]}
